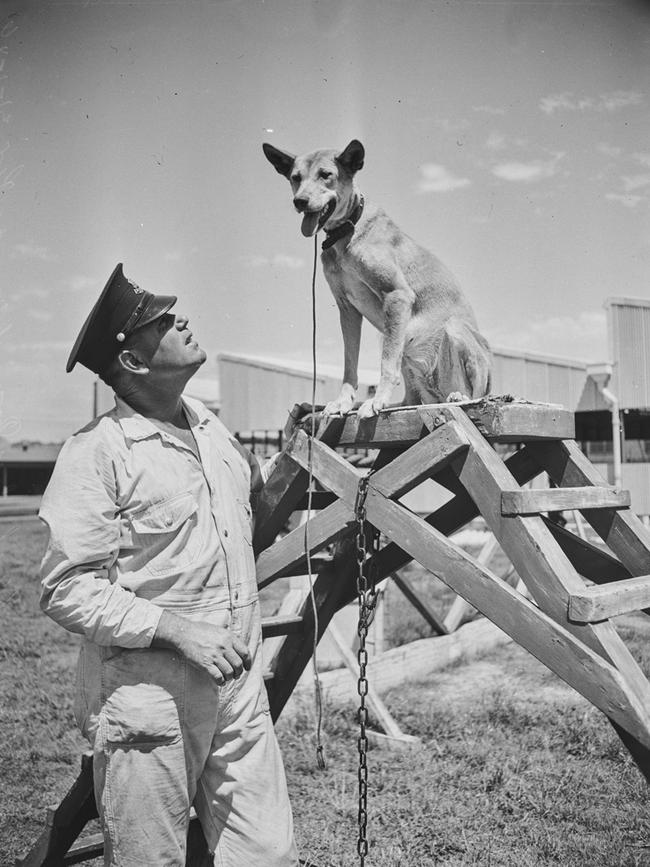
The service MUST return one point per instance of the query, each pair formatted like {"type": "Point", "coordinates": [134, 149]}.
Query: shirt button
{"type": "Point", "coordinates": [225, 533]}
{"type": "Point", "coordinates": [169, 521]}
{"type": "Point", "coordinates": [236, 595]}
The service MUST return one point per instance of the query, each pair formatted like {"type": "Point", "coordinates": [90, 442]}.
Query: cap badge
{"type": "Point", "coordinates": [134, 286]}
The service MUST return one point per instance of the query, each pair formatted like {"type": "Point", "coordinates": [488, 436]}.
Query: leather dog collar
{"type": "Point", "coordinates": [345, 228]}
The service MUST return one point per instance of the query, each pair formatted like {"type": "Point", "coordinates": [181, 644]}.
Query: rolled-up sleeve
{"type": "Point", "coordinates": [78, 571]}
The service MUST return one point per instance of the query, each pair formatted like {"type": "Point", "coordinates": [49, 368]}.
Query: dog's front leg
{"type": "Point", "coordinates": [397, 309]}
{"type": "Point", "coordinates": [351, 327]}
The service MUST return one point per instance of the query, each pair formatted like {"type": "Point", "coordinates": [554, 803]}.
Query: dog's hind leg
{"type": "Point", "coordinates": [464, 363]}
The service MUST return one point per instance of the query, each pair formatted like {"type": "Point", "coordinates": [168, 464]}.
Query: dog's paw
{"type": "Point", "coordinates": [338, 406]}
{"type": "Point", "coordinates": [457, 397]}
{"type": "Point", "coordinates": [371, 407]}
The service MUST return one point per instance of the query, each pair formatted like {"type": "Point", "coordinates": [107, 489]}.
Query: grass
{"type": "Point", "coordinates": [513, 768]}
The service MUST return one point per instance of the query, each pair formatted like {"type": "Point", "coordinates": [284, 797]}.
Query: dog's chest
{"type": "Point", "coordinates": [348, 287]}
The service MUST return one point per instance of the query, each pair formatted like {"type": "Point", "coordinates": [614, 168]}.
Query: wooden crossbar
{"type": "Point", "coordinates": [533, 502]}
{"type": "Point", "coordinates": [609, 600]}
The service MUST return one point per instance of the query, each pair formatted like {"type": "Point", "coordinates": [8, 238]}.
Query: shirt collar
{"type": "Point", "coordinates": [137, 427]}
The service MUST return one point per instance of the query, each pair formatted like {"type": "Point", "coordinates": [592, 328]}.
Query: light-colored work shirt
{"type": "Point", "coordinates": [138, 524]}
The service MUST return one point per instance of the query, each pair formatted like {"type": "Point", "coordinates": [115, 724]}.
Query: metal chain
{"type": "Point", "coordinates": [367, 596]}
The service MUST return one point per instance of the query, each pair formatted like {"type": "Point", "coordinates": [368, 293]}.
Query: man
{"type": "Point", "coordinates": [150, 558]}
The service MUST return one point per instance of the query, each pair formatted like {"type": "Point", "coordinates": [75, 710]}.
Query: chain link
{"type": "Point", "coordinates": [367, 596]}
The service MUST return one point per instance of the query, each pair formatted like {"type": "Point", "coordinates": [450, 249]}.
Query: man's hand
{"type": "Point", "coordinates": [210, 648]}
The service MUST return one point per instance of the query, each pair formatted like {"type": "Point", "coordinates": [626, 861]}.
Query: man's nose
{"type": "Point", "coordinates": [181, 321]}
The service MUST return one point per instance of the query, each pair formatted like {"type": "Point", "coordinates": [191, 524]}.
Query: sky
{"type": "Point", "coordinates": [510, 137]}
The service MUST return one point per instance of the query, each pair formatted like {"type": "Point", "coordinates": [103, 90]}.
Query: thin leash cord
{"type": "Point", "coordinates": [317, 684]}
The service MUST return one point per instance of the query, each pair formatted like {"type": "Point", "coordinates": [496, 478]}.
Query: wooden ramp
{"type": "Point", "coordinates": [573, 588]}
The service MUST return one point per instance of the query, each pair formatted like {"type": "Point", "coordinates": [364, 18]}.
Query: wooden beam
{"type": "Point", "coordinates": [539, 561]}
{"type": "Point", "coordinates": [283, 489]}
{"type": "Point", "coordinates": [576, 663]}
{"type": "Point", "coordinates": [288, 553]}
{"type": "Point", "coordinates": [286, 624]}
{"type": "Point", "coordinates": [537, 500]}
{"type": "Point", "coordinates": [374, 701]}
{"type": "Point", "coordinates": [610, 600]}
{"type": "Point", "coordinates": [622, 531]}
{"type": "Point", "coordinates": [588, 560]}
{"type": "Point", "coordinates": [498, 420]}
{"type": "Point", "coordinates": [331, 588]}
{"type": "Point", "coordinates": [432, 618]}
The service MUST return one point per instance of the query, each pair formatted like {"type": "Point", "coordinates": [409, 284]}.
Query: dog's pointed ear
{"type": "Point", "coordinates": [352, 157]}
{"type": "Point", "coordinates": [281, 160]}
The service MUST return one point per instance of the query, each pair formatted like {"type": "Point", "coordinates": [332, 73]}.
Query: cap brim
{"type": "Point", "coordinates": [157, 306]}
{"type": "Point", "coordinates": [72, 358]}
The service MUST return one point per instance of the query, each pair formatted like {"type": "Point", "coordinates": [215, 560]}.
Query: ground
{"type": "Point", "coordinates": [514, 769]}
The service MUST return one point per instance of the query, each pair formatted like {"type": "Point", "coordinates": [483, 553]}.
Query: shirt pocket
{"type": "Point", "coordinates": [167, 534]}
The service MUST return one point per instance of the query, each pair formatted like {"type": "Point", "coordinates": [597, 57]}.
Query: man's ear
{"type": "Point", "coordinates": [281, 160]}
{"type": "Point", "coordinates": [352, 157]}
{"type": "Point", "coordinates": [131, 360]}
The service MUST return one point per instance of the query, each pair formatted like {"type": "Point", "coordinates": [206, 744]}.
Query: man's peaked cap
{"type": "Point", "coordinates": [121, 309]}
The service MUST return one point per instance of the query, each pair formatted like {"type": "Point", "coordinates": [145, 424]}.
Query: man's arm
{"type": "Point", "coordinates": [79, 508]}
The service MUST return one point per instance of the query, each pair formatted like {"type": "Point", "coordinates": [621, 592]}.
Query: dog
{"type": "Point", "coordinates": [376, 271]}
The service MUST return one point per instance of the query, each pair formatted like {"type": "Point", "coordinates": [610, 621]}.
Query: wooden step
{"type": "Point", "coordinates": [608, 600]}
{"type": "Point", "coordinates": [285, 624]}
{"type": "Point", "coordinates": [535, 501]}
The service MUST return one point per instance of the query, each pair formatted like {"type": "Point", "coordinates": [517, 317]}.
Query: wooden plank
{"type": "Point", "coordinates": [66, 822]}
{"type": "Point", "coordinates": [539, 561]}
{"type": "Point", "coordinates": [595, 564]}
{"type": "Point", "coordinates": [289, 552]}
{"type": "Point", "coordinates": [283, 489]}
{"type": "Point", "coordinates": [415, 661]}
{"type": "Point", "coordinates": [431, 616]}
{"type": "Point", "coordinates": [610, 600]}
{"type": "Point", "coordinates": [286, 624]}
{"type": "Point", "coordinates": [331, 588]}
{"type": "Point", "coordinates": [535, 501]}
{"type": "Point", "coordinates": [374, 702]}
{"type": "Point", "coordinates": [502, 421]}
{"type": "Point", "coordinates": [576, 663]}
{"type": "Point", "coordinates": [455, 514]}
{"type": "Point", "coordinates": [498, 421]}
{"type": "Point", "coordinates": [622, 531]}
{"type": "Point", "coordinates": [460, 609]}
{"type": "Point", "coordinates": [407, 470]}
{"type": "Point", "coordinates": [319, 500]}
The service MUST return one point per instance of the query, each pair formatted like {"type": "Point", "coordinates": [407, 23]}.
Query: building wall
{"type": "Point", "coordinates": [258, 393]}
{"type": "Point", "coordinates": [628, 327]}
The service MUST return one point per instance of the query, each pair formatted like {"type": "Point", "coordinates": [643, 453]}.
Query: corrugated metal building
{"type": "Point", "coordinates": [258, 392]}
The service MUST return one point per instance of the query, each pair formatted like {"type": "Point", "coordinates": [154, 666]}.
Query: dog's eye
{"type": "Point", "coordinates": [325, 175]}
{"type": "Point", "coordinates": [295, 179]}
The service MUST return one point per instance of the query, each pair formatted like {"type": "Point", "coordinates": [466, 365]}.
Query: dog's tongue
{"type": "Point", "coordinates": [310, 223]}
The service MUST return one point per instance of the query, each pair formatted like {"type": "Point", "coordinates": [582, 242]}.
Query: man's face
{"type": "Point", "coordinates": [167, 345]}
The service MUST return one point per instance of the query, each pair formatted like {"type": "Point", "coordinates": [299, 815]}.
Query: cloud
{"type": "Point", "coordinates": [642, 158]}
{"type": "Point", "coordinates": [32, 251]}
{"type": "Point", "coordinates": [627, 199]}
{"type": "Point", "coordinates": [279, 260]}
{"type": "Point", "coordinates": [584, 333]}
{"type": "Point", "coordinates": [172, 256]}
{"type": "Point", "coordinates": [40, 315]}
{"type": "Point", "coordinates": [489, 109]}
{"type": "Point", "coordinates": [438, 179]}
{"type": "Point", "coordinates": [613, 101]}
{"type": "Point", "coordinates": [526, 172]}
{"type": "Point", "coordinates": [609, 150]}
{"type": "Point", "coordinates": [635, 182]}
{"type": "Point", "coordinates": [82, 283]}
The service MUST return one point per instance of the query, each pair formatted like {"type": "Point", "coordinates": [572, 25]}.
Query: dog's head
{"type": "Point", "coordinates": [322, 182]}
